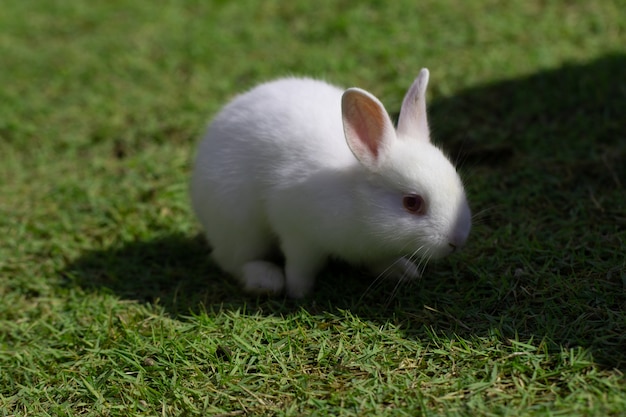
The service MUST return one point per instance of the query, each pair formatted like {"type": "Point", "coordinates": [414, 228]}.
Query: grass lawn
{"type": "Point", "coordinates": [109, 305]}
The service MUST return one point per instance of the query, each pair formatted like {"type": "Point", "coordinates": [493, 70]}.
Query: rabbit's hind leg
{"type": "Point", "coordinates": [245, 257]}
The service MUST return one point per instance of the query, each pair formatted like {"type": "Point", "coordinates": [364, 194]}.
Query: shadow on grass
{"type": "Point", "coordinates": [545, 155]}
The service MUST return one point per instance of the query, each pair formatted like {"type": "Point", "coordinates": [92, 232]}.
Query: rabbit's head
{"type": "Point", "coordinates": [411, 198]}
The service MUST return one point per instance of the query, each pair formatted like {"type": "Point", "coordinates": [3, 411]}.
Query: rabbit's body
{"type": "Point", "coordinates": [275, 171]}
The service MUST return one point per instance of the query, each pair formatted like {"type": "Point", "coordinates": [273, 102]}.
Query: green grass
{"type": "Point", "coordinates": [110, 306]}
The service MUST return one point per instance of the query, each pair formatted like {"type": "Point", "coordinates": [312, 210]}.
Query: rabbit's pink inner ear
{"type": "Point", "coordinates": [366, 126]}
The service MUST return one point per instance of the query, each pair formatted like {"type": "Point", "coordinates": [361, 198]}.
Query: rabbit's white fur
{"type": "Point", "coordinates": [300, 165]}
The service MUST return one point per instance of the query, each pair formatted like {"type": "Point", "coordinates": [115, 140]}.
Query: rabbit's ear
{"type": "Point", "coordinates": [413, 122]}
{"type": "Point", "coordinates": [367, 127]}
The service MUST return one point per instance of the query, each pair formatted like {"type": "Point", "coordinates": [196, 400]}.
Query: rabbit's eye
{"type": "Point", "coordinates": [414, 203]}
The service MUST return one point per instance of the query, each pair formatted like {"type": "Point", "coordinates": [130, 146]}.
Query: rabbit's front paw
{"type": "Point", "coordinates": [263, 277]}
{"type": "Point", "coordinates": [401, 269]}
{"type": "Point", "coordinates": [405, 270]}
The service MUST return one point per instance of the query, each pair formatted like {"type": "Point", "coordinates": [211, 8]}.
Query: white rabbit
{"type": "Point", "coordinates": [302, 166]}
